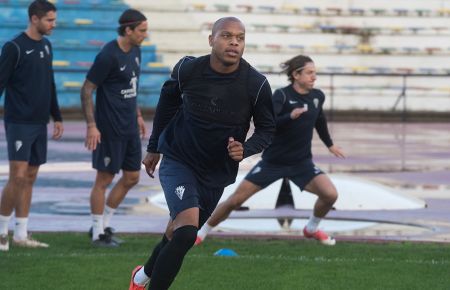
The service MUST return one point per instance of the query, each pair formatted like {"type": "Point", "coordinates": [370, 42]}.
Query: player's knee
{"type": "Point", "coordinates": [184, 237]}
{"type": "Point", "coordinates": [331, 197]}
{"type": "Point", "coordinates": [131, 181]}
{"type": "Point", "coordinates": [234, 203]}
{"type": "Point", "coordinates": [18, 180]}
{"type": "Point", "coordinates": [102, 185]}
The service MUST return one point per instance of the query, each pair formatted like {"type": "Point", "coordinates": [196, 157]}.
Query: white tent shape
{"type": "Point", "coordinates": [354, 194]}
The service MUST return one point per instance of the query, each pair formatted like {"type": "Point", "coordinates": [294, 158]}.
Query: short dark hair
{"type": "Point", "coordinates": [296, 63]}
{"type": "Point", "coordinates": [130, 18]}
{"type": "Point", "coordinates": [221, 21]}
{"type": "Point", "coordinates": [40, 8]}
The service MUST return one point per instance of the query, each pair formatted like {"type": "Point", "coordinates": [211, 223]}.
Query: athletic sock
{"type": "Point", "coordinates": [313, 224]}
{"type": "Point", "coordinates": [4, 222]}
{"type": "Point", "coordinates": [204, 231]}
{"type": "Point", "coordinates": [171, 257]}
{"type": "Point", "coordinates": [97, 226]}
{"type": "Point", "coordinates": [20, 229]}
{"type": "Point", "coordinates": [148, 268]}
{"type": "Point", "coordinates": [107, 215]}
{"type": "Point", "coordinates": [140, 278]}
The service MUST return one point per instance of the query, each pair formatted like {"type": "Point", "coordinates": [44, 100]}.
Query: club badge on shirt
{"type": "Point", "coordinates": [316, 102]}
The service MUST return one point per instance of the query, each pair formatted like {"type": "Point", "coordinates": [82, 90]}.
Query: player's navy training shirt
{"type": "Point", "coordinates": [292, 141]}
{"type": "Point", "coordinates": [26, 75]}
{"type": "Point", "coordinates": [116, 75]}
{"type": "Point", "coordinates": [199, 109]}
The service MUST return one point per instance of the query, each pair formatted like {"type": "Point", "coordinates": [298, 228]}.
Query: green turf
{"type": "Point", "coordinates": [71, 263]}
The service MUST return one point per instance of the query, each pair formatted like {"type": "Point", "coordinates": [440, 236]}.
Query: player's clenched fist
{"type": "Point", "coordinates": [235, 149]}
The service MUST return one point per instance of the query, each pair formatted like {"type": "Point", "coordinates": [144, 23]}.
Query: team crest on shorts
{"type": "Point", "coordinates": [179, 191]}
{"type": "Point", "coordinates": [256, 170]}
{"type": "Point", "coordinates": [317, 170]}
{"type": "Point", "coordinates": [18, 145]}
{"type": "Point", "coordinates": [107, 160]}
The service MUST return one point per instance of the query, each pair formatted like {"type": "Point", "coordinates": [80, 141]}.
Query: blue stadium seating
{"type": "Point", "coordinates": [83, 26]}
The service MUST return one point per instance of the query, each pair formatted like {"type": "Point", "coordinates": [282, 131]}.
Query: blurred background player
{"type": "Point", "coordinates": [114, 133]}
{"type": "Point", "coordinates": [26, 73]}
{"type": "Point", "coordinates": [200, 126]}
{"type": "Point", "coordinates": [298, 110]}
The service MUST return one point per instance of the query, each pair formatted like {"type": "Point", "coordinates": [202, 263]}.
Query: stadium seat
{"type": "Point", "coordinates": [378, 11]}
{"type": "Point", "coordinates": [357, 11]}
{"type": "Point", "coordinates": [273, 47]}
{"type": "Point", "coordinates": [282, 27]}
{"type": "Point", "coordinates": [155, 64]}
{"type": "Point", "coordinates": [403, 70]}
{"type": "Point", "coordinates": [198, 6]}
{"type": "Point", "coordinates": [365, 48]}
{"type": "Point", "coordinates": [423, 12]}
{"type": "Point", "coordinates": [72, 84]}
{"type": "Point", "coordinates": [359, 69]}
{"type": "Point", "coordinates": [333, 11]}
{"type": "Point", "coordinates": [290, 9]}
{"type": "Point", "coordinates": [297, 47]}
{"type": "Point", "coordinates": [266, 8]}
{"type": "Point", "coordinates": [328, 28]}
{"type": "Point", "coordinates": [83, 21]}
{"type": "Point", "coordinates": [401, 12]}
{"type": "Point", "coordinates": [96, 42]}
{"type": "Point", "coordinates": [245, 7]}
{"type": "Point", "coordinates": [61, 63]}
{"type": "Point", "coordinates": [222, 7]}
{"type": "Point", "coordinates": [86, 64]}
{"type": "Point", "coordinates": [251, 46]}
{"type": "Point", "coordinates": [432, 50]}
{"type": "Point", "coordinates": [410, 50]}
{"type": "Point", "coordinates": [386, 50]}
{"type": "Point", "coordinates": [380, 70]}
{"type": "Point", "coordinates": [311, 10]}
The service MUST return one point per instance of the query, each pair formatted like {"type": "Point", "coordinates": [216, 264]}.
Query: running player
{"type": "Point", "coordinates": [298, 110]}
{"type": "Point", "coordinates": [200, 127]}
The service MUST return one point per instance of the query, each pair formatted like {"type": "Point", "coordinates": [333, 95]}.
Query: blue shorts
{"type": "Point", "coordinates": [113, 155]}
{"type": "Point", "coordinates": [182, 190]}
{"type": "Point", "coordinates": [264, 173]}
{"type": "Point", "coordinates": [27, 142]}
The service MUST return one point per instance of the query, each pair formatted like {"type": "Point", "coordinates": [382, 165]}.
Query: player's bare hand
{"type": "Point", "coordinates": [150, 161]}
{"type": "Point", "coordinates": [297, 112]}
{"type": "Point", "coordinates": [235, 149]}
{"type": "Point", "coordinates": [93, 138]}
{"type": "Point", "coordinates": [336, 151]}
{"type": "Point", "coordinates": [58, 130]}
{"type": "Point", "coordinates": [142, 128]}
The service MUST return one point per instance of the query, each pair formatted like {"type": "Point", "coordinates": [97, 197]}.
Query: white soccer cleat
{"type": "Point", "coordinates": [4, 243]}
{"type": "Point", "coordinates": [29, 243]}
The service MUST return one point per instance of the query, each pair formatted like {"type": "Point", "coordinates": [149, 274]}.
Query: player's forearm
{"type": "Point", "coordinates": [322, 130]}
{"type": "Point", "coordinates": [87, 105]}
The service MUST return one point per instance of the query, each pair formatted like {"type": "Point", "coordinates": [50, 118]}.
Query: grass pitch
{"type": "Point", "coordinates": [72, 263]}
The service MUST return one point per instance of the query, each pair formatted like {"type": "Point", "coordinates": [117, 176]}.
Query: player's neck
{"type": "Point", "coordinates": [32, 33]}
{"type": "Point", "coordinates": [299, 89]}
{"type": "Point", "coordinates": [220, 67]}
{"type": "Point", "coordinates": [124, 44]}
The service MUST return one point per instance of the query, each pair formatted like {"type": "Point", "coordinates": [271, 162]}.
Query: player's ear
{"type": "Point", "coordinates": [210, 40]}
{"type": "Point", "coordinates": [34, 19]}
{"type": "Point", "coordinates": [128, 30]}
